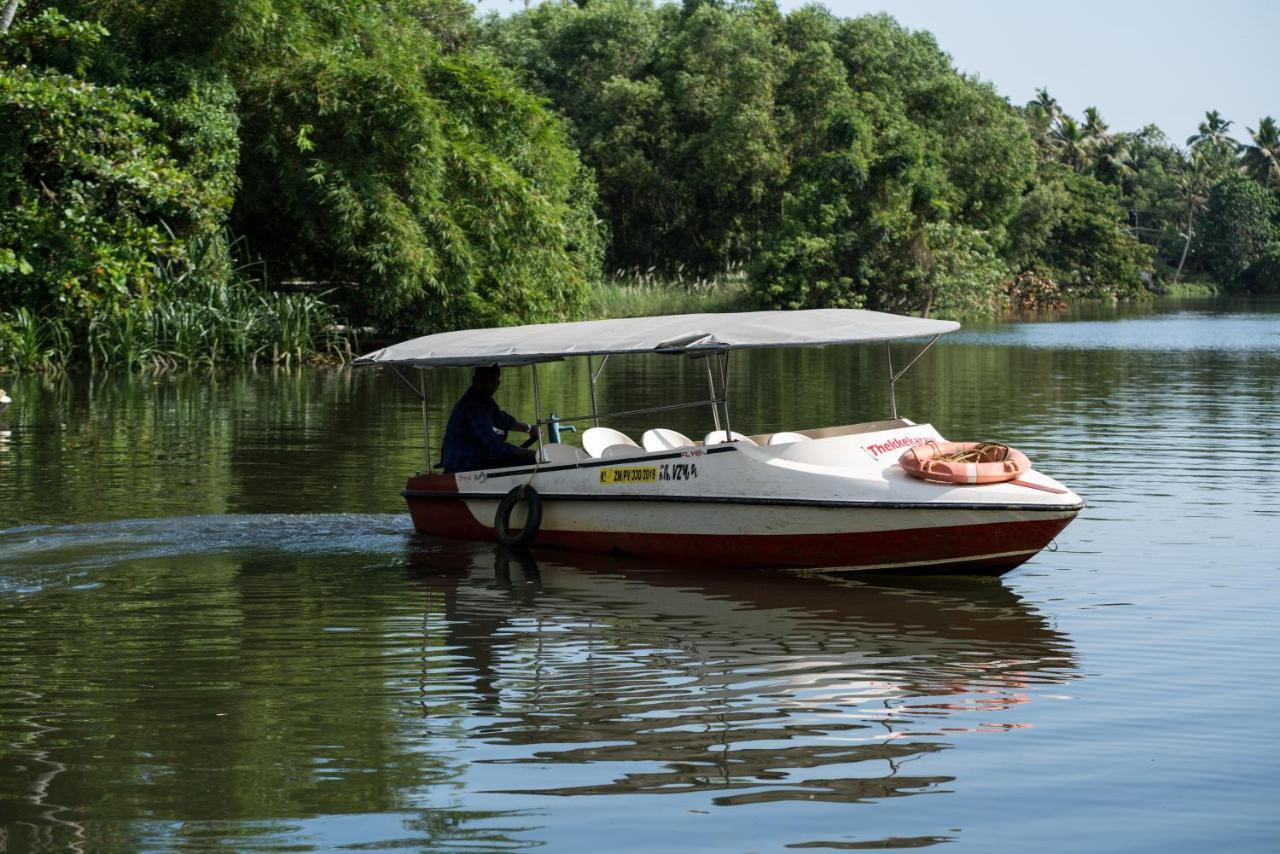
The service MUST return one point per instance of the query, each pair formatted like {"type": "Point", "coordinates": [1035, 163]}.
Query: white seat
{"type": "Point", "coordinates": [785, 438]}
{"type": "Point", "coordinates": [630, 450]}
{"type": "Point", "coordinates": [718, 437]}
{"type": "Point", "coordinates": [595, 440]}
{"type": "Point", "coordinates": [662, 439]}
{"type": "Point", "coordinates": [555, 452]}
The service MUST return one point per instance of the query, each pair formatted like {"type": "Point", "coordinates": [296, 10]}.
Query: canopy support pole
{"type": "Point", "coordinates": [591, 377]}
{"type": "Point", "coordinates": [711, 392]}
{"type": "Point", "coordinates": [413, 388]}
{"type": "Point", "coordinates": [724, 393]}
{"type": "Point", "coordinates": [893, 400]}
{"type": "Point", "coordinates": [426, 420]}
{"type": "Point", "coordinates": [537, 406]}
{"type": "Point", "coordinates": [893, 378]}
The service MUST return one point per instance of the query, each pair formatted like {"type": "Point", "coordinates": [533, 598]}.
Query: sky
{"type": "Point", "coordinates": [1139, 62]}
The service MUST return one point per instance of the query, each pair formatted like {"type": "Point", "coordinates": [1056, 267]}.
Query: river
{"type": "Point", "coordinates": [218, 631]}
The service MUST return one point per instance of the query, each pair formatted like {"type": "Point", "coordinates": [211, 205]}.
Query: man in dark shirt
{"type": "Point", "coordinates": [473, 437]}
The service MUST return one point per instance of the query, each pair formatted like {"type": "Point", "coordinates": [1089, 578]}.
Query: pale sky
{"type": "Point", "coordinates": [1138, 61]}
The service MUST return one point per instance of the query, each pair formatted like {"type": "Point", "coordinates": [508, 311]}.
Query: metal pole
{"type": "Point", "coordinates": [724, 393]}
{"type": "Point", "coordinates": [537, 406]}
{"type": "Point", "coordinates": [591, 378]}
{"type": "Point", "coordinates": [893, 401]}
{"type": "Point", "coordinates": [426, 421]}
{"type": "Point", "coordinates": [711, 392]}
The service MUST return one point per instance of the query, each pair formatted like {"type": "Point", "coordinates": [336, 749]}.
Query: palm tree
{"type": "Point", "coordinates": [1047, 104]}
{"type": "Point", "coordinates": [1212, 132]}
{"type": "Point", "coordinates": [1262, 159]}
{"type": "Point", "coordinates": [1071, 143]}
{"type": "Point", "coordinates": [1195, 179]}
{"type": "Point", "coordinates": [1094, 127]}
{"type": "Point", "coordinates": [1113, 159]}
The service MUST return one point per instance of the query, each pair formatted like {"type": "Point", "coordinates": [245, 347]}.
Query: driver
{"type": "Point", "coordinates": [473, 438]}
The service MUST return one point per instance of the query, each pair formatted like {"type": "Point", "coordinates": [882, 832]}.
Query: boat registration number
{"type": "Point", "coordinates": [630, 474]}
{"type": "Point", "coordinates": [648, 474]}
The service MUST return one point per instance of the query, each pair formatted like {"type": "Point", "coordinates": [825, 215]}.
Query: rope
{"type": "Point", "coordinates": [983, 452]}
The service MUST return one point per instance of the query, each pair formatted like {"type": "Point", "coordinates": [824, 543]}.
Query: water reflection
{"type": "Point", "coordinates": [761, 687]}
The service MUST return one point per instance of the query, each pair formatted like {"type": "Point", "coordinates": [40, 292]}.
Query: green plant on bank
{"type": "Point", "coordinates": [29, 342]}
{"type": "Point", "coordinates": [643, 293]}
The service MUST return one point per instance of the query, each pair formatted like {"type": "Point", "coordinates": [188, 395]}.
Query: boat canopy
{"type": "Point", "coordinates": [690, 334]}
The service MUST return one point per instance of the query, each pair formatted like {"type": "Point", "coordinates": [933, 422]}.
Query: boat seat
{"type": "Point", "coordinates": [718, 437]}
{"type": "Point", "coordinates": [597, 439]}
{"type": "Point", "coordinates": [786, 438]}
{"type": "Point", "coordinates": [555, 452]}
{"type": "Point", "coordinates": [662, 439]}
{"type": "Point", "coordinates": [630, 450]}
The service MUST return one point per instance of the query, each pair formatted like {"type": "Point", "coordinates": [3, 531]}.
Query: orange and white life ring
{"type": "Point", "coordinates": [965, 462]}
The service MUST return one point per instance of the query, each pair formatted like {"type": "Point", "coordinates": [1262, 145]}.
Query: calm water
{"type": "Point", "coordinates": [218, 632]}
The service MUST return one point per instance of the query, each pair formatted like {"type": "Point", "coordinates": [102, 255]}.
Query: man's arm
{"type": "Point", "coordinates": [504, 420]}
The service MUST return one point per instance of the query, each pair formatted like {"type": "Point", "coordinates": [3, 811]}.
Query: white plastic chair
{"type": "Point", "coordinates": [786, 438]}
{"type": "Point", "coordinates": [718, 437]}
{"type": "Point", "coordinates": [597, 439]}
{"type": "Point", "coordinates": [555, 452]}
{"type": "Point", "coordinates": [662, 439]}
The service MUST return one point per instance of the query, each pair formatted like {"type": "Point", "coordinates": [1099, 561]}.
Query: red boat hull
{"type": "Point", "coordinates": [976, 547]}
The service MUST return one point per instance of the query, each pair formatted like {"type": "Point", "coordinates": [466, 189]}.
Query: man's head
{"type": "Point", "coordinates": [487, 378]}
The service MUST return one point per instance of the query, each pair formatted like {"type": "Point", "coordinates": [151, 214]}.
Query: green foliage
{"type": "Point", "coordinates": [645, 293]}
{"type": "Point", "coordinates": [447, 195]}
{"type": "Point", "coordinates": [85, 185]}
{"type": "Point", "coordinates": [1071, 228]}
{"type": "Point", "coordinates": [710, 130]}
{"type": "Point", "coordinates": [1239, 232]}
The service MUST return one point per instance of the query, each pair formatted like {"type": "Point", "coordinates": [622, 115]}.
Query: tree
{"type": "Point", "coordinates": [1195, 179]}
{"type": "Point", "coordinates": [1262, 158]}
{"type": "Point", "coordinates": [6, 15]}
{"type": "Point", "coordinates": [1071, 228]}
{"type": "Point", "coordinates": [1212, 133]}
{"type": "Point", "coordinates": [1047, 104]}
{"type": "Point", "coordinates": [382, 154]}
{"type": "Point", "coordinates": [1094, 128]}
{"type": "Point", "coordinates": [100, 185]}
{"type": "Point", "coordinates": [1239, 227]}
{"type": "Point", "coordinates": [1071, 144]}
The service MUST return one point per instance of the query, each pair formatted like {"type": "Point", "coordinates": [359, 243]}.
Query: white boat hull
{"type": "Point", "coordinates": [839, 503]}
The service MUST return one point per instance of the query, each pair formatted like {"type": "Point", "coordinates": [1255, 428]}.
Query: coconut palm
{"type": "Point", "coordinates": [1047, 104]}
{"type": "Point", "coordinates": [1071, 144]}
{"type": "Point", "coordinates": [1196, 177]}
{"type": "Point", "coordinates": [1212, 133]}
{"type": "Point", "coordinates": [1095, 129]}
{"type": "Point", "coordinates": [1113, 159]}
{"type": "Point", "coordinates": [1262, 159]}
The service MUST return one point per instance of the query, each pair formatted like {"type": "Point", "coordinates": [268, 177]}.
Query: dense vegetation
{"type": "Point", "coordinates": [404, 166]}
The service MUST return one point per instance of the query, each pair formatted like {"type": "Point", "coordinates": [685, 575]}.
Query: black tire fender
{"type": "Point", "coordinates": [533, 519]}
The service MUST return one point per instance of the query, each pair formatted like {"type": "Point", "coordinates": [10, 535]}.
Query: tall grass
{"type": "Point", "coordinates": [33, 343]}
{"type": "Point", "coordinates": [642, 293]}
{"type": "Point", "coordinates": [202, 310]}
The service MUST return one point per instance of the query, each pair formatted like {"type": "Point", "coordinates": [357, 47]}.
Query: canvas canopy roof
{"type": "Point", "coordinates": [680, 333]}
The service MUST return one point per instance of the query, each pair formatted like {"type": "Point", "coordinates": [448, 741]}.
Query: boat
{"type": "Point", "coordinates": [832, 498]}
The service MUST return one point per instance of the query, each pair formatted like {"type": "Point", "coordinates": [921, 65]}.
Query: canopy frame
{"type": "Point", "coordinates": [752, 332]}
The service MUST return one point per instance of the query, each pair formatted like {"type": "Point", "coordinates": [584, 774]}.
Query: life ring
{"type": "Point", "coordinates": [533, 518]}
{"type": "Point", "coordinates": [965, 462]}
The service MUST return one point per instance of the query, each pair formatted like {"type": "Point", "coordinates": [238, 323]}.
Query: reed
{"type": "Point", "coordinates": [641, 293]}
{"type": "Point", "coordinates": [32, 343]}
{"type": "Point", "coordinates": [202, 310]}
